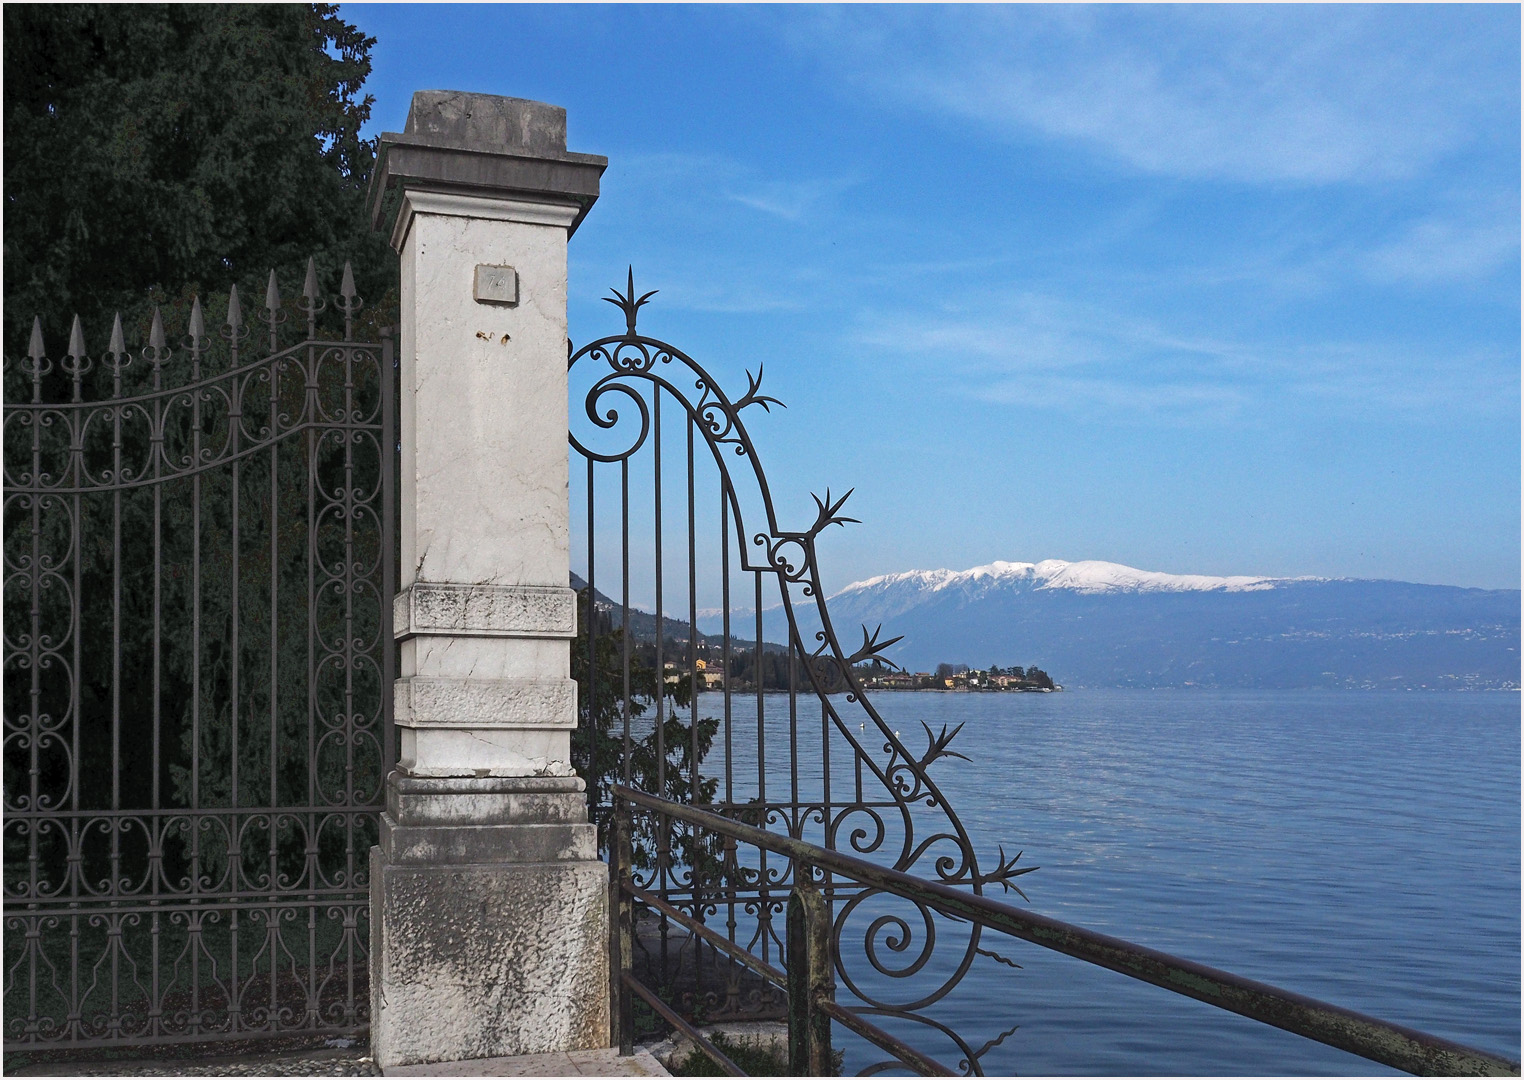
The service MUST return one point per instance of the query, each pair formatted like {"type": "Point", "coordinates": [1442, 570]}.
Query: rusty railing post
{"type": "Point", "coordinates": [809, 976]}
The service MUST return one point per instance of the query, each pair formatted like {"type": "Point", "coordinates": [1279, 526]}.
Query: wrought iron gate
{"type": "Point", "coordinates": [744, 700]}
{"type": "Point", "coordinates": [199, 567]}
{"type": "Point", "coordinates": [816, 806]}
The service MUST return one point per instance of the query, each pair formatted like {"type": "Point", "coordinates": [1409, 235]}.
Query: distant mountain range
{"type": "Point", "coordinates": [1103, 624]}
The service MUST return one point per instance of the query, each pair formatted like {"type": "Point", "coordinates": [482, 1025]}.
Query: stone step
{"type": "Point", "coordinates": [563, 1063]}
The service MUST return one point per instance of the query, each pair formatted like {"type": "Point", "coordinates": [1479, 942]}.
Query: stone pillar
{"type": "Point", "coordinates": [488, 920]}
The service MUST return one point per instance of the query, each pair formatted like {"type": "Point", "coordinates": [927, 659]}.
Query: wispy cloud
{"type": "Point", "coordinates": [710, 185]}
{"type": "Point", "coordinates": [1459, 244]}
{"type": "Point", "coordinates": [1043, 352]}
{"type": "Point", "coordinates": [1246, 93]}
{"type": "Point", "coordinates": [703, 251]}
{"type": "Point", "coordinates": [790, 200]}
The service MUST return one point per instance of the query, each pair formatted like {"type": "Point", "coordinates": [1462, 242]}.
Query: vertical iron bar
{"type": "Point", "coordinates": [388, 642]}
{"type": "Point", "coordinates": [762, 909]}
{"type": "Point", "coordinates": [350, 658]}
{"type": "Point", "coordinates": [793, 725]}
{"type": "Point", "coordinates": [310, 415]}
{"type": "Point", "coordinates": [116, 671]}
{"type": "Point", "coordinates": [624, 919]}
{"type": "Point", "coordinates": [156, 445]}
{"type": "Point", "coordinates": [193, 926]}
{"type": "Point", "coordinates": [624, 614]}
{"type": "Point", "coordinates": [661, 671]}
{"type": "Point", "coordinates": [272, 918]}
{"type": "Point", "coordinates": [34, 722]}
{"type": "Point", "coordinates": [825, 768]}
{"type": "Point", "coordinates": [76, 702]}
{"type": "Point", "coordinates": [594, 734]}
{"type": "Point", "coordinates": [156, 849]}
{"type": "Point", "coordinates": [725, 615]}
{"type": "Point", "coordinates": [695, 792]}
{"type": "Point", "coordinates": [235, 703]}
{"type": "Point", "coordinates": [693, 679]}
{"type": "Point", "coordinates": [760, 658]}
{"type": "Point", "coordinates": [663, 823]}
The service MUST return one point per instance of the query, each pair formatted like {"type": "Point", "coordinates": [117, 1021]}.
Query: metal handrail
{"type": "Point", "coordinates": [1400, 1047]}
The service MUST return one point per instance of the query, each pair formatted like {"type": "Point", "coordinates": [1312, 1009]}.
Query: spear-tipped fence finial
{"type": "Point", "coordinates": [35, 349]}
{"type": "Point", "coordinates": [197, 326]}
{"type": "Point", "coordinates": [272, 295]}
{"type": "Point", "coordinates": [348, 302]}
{"type": "Point", "coordinates": [75, 363]}
{"type": "Point", "coordinates": [117, 349]}
{"type": "Point", "coordinates": [310, 283]}
{"type": "Point", "coordinates": [157, 352]}
{"type": "Point", "coordinates": [235, 312]}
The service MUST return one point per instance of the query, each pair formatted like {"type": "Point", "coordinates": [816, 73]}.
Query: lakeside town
{"type": "Point", "coordinates": [960, 678]}
{"type": "Point", "coordinates": [955, 678]}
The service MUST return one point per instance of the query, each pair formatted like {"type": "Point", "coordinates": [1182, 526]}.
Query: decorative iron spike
{"type": "Point", "coordinates": [235, 313]}
{"type": "Point", "coordinates": [76, 340]}
{"type": "Point", "coordinates": [156, 332]}
{"type": "Point", "coordinates": [197, 323]}
{"type": "Point", "coordinates": [310, 285]}
{"type": "Point", "coordinates": [118, 347]}
{"type": "Point", "coordinates": [347, 284]}
{"type": "Point", "coordinates": [35, 350]}
{"type": "Point", "coordinates": [628, 303]}
{"type": "Point", "coordinates": [272, 295]}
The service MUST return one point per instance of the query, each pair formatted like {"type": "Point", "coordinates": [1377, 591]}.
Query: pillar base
{"type": "Point", "coordinates": [488, 921]}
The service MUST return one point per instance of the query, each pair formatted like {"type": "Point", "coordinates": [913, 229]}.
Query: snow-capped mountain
{"type": "Point", "coordinates": [1104, 624]}
{"type": "Point", "coordinates": [1087, 576]}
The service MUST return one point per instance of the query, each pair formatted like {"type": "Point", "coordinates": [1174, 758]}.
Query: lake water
{"type": "Point", "coordinates": [1362, 848]}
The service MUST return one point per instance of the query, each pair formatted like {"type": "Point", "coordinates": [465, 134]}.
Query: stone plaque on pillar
{"type": "Point", "coordinates": [488, 920]}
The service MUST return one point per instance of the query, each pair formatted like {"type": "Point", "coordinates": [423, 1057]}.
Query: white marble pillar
{"type": "Point", "coordinates": [487, 900]}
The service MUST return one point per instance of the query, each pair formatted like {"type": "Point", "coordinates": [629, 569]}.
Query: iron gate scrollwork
{"type": "Point", "coordinates": [793, 743]}
{"type": "Point", "coordinates": [199, 565]}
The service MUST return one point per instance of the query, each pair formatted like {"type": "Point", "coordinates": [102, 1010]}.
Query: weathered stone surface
{"type": "Point", "coordinates": [451, 656]}
{"type": "Point", "coordinates": [426, 607]}
{"type": "Point", "coordinates": [487, 961]}
{"type": "Point", "coordinates": [486, 703]}
{"type": "Point", "coordinates": [451, 752]}
{"type": "Point", "coordinates": [606, 1062]}
{"type": "Point", "coordinates": [487, 122]}
{"type": "Point", "coordinates": [441, 845]}
{"type": "Point", "coordinates": [483, 406]}
{"type": "Point", "coordinates": [535, 800]}
{"type": "Point", "coordinates": [488, 921]}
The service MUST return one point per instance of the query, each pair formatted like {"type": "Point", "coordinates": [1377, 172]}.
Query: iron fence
{"type": "Point", "coordinates": [710, 672]}
{"type": "Point", "coordinates": [199, 567]}
{"type": "Point", "coordinates": [829, 884]}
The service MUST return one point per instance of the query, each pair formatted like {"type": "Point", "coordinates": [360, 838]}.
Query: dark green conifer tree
{"type": "Point", "coordinates": [153, 150]}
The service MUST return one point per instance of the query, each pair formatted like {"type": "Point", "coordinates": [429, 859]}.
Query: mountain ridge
{"type": "Point", "coordinates": [1106, 624]}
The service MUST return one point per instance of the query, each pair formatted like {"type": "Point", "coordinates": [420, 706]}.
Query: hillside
{"type": "Point", "coordinates": [1103, 624]}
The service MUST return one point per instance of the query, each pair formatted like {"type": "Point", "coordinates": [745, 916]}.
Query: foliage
{"type": "Point", "coordinates": [152, 151]}
{"type": "Point", "coordinates": [269, 726]}
{"type": "Point", "coordinates": [782, 670]}
{"type": "Point", "coordinates": [753, 1060]}
{"type": "Point", "coordinates": [662, 762]}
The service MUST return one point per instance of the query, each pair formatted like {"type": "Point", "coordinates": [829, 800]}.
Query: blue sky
{"type": "Point", "coordinates": [1225, 290]}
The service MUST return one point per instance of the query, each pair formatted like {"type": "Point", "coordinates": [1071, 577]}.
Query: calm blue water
{"type": "Point", "coordinates": [1362, 848]}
